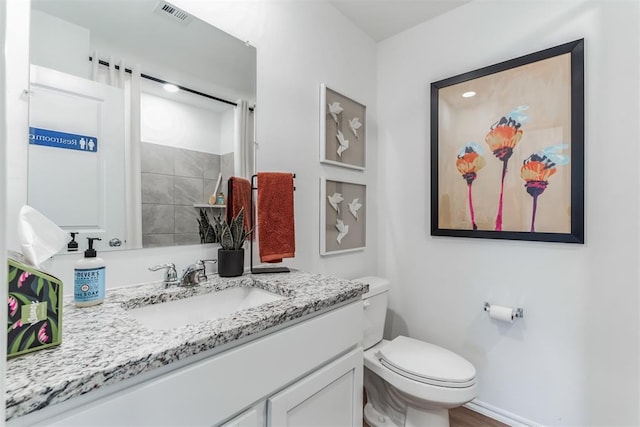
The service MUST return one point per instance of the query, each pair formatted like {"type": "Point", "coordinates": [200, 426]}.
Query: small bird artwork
{"type": "Point", "coordinates": [354, 207]}
{"type": "Point", "coordinates": [343, 230]}
{"type": "Point", "coordinates": [334, 200]}
{"type": "Point", "coordinates": [344, 143]}
{"type": "Point", "coordinates": [334, 109]}
{"type": "Point", "coordinates": [355, 124]}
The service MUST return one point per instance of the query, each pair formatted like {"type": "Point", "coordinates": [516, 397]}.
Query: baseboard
{"type": "Point", "coordinates": [499, 414]}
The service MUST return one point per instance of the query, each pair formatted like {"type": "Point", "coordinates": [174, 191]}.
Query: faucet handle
{"type": "Point", "coordinates": [170, 276]}
{"type": "Point", "coordinates": [202, 263]}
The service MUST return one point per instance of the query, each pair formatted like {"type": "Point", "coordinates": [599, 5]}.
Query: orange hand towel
{"type": "Point", "coordinates": [238, 197]}
{"type": "Point", "coordinates": [275, 216]}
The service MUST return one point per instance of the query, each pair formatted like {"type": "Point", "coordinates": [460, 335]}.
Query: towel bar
{"type": "Point", "coordinates": [261, 270]}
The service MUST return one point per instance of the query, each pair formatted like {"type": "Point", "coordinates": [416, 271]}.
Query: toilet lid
{"type": "Point", "coordinates": [427, 363]}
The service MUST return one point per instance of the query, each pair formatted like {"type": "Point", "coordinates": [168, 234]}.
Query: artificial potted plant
{"type": "Point", "coordinates": [231, 252]}
{"type": "Point", "coordinates": [206, 230]}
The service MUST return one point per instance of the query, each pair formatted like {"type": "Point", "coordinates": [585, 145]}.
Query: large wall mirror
{"type": "Point", "coordinates": [115, 153]}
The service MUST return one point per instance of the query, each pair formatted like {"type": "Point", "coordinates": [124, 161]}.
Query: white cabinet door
{"type": "Point", "coordinates": [252, 417]}
{"type": "Point", "coordinates": [329, 397]}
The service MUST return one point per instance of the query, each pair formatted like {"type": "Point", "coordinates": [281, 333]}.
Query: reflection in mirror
{"type": "Point", "coordinates": [112, 153]}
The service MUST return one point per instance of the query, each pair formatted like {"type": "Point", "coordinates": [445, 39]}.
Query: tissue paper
{"type": "Point", "coordinates": [40, 238]}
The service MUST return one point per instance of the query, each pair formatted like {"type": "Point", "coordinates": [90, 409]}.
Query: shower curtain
{"type": "Point", "coordinates": [130, 84]}
{"type": "Point", "coordinates": [244, 145]}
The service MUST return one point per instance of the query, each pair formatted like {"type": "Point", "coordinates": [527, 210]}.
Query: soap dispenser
{"type": "Point", "coordinates": [72, 246]}
{"type": "Point", "coordinates": [89, 278]}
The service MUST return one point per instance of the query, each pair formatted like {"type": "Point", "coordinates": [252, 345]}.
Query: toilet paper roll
{"type": "Point", "coordinates": [505, 314]}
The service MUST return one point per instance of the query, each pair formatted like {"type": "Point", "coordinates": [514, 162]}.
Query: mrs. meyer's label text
{"type": "Point", "coordinates": [89, 284]}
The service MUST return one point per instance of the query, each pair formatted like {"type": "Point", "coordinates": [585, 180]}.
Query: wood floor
{"type": "Point", "coordinates": [463, 417]}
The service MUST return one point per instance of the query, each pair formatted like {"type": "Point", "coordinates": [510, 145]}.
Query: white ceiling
{"type": "Point", "coordinates": [381, 19]}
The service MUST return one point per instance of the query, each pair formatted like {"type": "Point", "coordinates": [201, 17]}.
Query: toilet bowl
{"type": "Point", "coordinates": [408, 382]}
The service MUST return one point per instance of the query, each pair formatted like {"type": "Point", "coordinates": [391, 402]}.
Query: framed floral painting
{"type": "Point", "coordinates": [507, 149]}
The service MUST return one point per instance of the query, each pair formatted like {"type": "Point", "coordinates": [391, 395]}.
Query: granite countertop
{"type": "Point", "coordinates": [102, 345]}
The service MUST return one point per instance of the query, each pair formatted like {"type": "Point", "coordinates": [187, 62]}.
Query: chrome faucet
{"type": "Point", "coordinates": [192, 275]}
{"type": "Point", "coordinates": [195, 273]}
{"type": "Point", "coordinates": [203, 262]}
{"type": "Point", "coordinates": [170, 276]}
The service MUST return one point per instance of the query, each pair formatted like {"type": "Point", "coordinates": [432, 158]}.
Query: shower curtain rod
{"type": "Point", "coordinates": [155, 79]}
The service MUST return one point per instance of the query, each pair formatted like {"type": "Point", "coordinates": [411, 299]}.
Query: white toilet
{"type": "Point", "coordinates": [408, 382]}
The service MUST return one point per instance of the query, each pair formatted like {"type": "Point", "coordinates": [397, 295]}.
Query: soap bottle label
{"type": "Point", "coordinates": [89, 284]}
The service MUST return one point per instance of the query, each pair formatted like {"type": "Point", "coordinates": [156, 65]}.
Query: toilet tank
{"type": "Point", "coordinates": [374, 305]}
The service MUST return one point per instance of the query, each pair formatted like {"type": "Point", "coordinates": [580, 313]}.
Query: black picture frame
{"type": "Point", "coordinates": [527, 75]}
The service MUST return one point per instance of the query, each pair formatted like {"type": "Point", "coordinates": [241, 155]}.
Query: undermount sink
{"type": "Point", "coordinates": [210, 306]}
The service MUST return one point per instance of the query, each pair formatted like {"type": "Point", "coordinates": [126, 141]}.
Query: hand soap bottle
{"type": "Point", "coordinates": [89, 278]}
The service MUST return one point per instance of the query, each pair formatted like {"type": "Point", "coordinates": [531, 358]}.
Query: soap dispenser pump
{"type": "Point", "coordinates": [72, 246]}
{"type": "Point", "coordinates": [89, 278]}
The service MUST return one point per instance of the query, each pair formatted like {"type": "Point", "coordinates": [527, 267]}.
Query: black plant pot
{"type": "Point", "coordinates": [230, 262]}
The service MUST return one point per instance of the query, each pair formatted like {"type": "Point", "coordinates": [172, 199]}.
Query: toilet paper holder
{"type": "Point", "coordinates": [517, 312]}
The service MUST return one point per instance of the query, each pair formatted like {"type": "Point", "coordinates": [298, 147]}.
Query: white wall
{"type": "Point", "coordinates": [166, 122]}
{"type": "Point", "coordinates": [17, 114]}
{"type": "Point", "coordinates": [3, 200]}
{"type": "Point", "coordinates": [573, 360]}
{"type": "Point", "coordinates": [301, 45]}
{"type": "Point", "coordinates": [59, 44]}
{"type": "Point", "coordinates": [14, 16]}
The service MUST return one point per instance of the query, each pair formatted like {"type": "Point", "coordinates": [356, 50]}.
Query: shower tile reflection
{"type": "Point", "coordinates": [187, 191]}
{"type": "Point", "coordinates": [189, 163]}
{"type": "Point", "coordinates": [157, 188]}
{"type": "Point", "coordinates": [172, 181]}
{"type": "Point", "coordinates": [185, 218]}
{"type": "Point", "coordinates": [157, 219]}
{"type": "Point", "coordinates": [155, 158]}
{"type": "Point", "coordinates": [157, 240]}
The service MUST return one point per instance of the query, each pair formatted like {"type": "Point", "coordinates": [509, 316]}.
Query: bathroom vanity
{"type": "Point", "coordinates": [292, 358]}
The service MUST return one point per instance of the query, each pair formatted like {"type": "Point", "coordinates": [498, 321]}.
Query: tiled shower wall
{"type": "Point", "coordinates": [173, 180]}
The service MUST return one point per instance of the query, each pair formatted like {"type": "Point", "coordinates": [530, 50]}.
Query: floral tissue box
{"type": "Point", "coordinates": [35, 309]}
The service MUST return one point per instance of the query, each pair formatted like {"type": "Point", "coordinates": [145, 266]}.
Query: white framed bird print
{"type": "Point", "coordinates": [343, 130]}
{"type": "Point", "coordinates": [343, 216]}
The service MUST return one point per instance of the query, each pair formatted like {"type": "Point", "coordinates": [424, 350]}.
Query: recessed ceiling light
{"type": "Point", "coordinates": [171, 88]}
{"type": "Point", "coordinates": [468, 94]}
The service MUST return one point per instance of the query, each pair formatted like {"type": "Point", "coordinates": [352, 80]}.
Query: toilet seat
{"type": "Point", "coordinates": [426, 363]}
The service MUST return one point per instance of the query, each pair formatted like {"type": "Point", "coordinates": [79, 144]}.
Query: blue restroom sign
{"type": "Point", "coordinates": [70, 141]}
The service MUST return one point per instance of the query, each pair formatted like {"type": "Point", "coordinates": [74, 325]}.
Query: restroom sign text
{"type": "Point", "coordinates": [69, 141]}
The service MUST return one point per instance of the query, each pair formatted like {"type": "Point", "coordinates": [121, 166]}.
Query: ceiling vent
{"type": "Point", "coordinates": [170, 11]}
